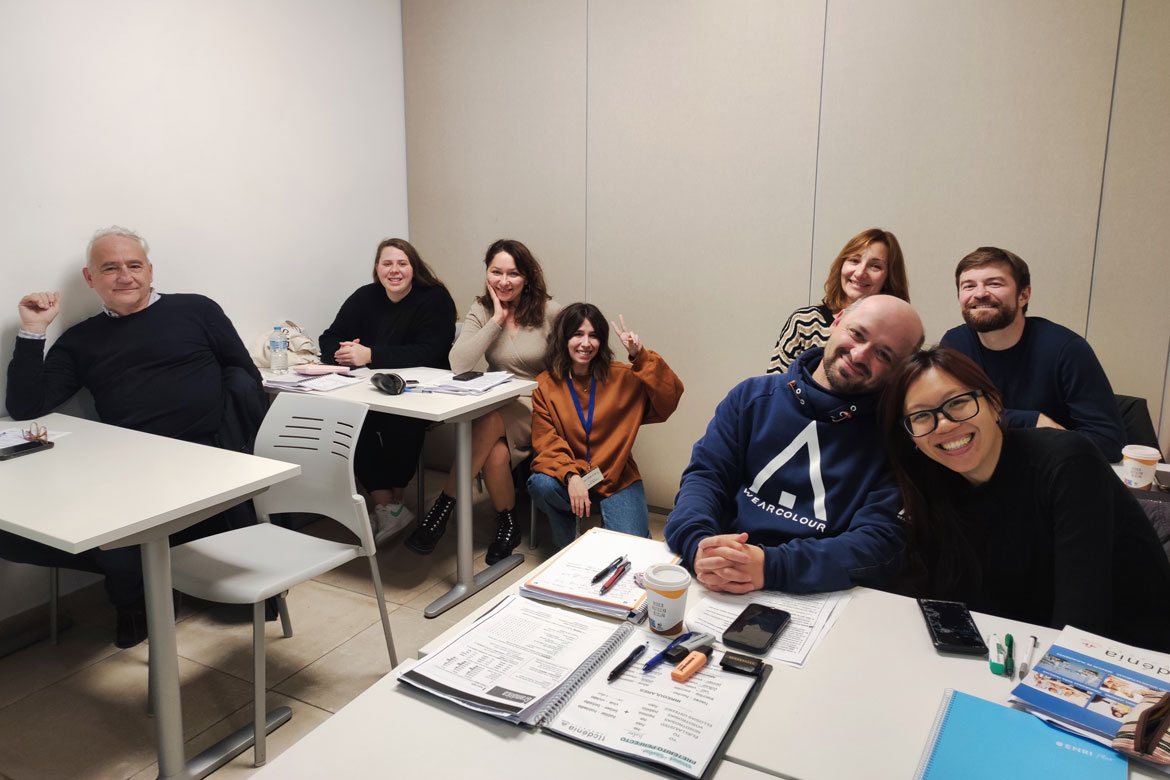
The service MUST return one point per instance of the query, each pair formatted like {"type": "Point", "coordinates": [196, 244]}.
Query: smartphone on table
{"type": "Point", "coordinates": [952, 629]}
{"type": "Point", "coordinates": [467, 376]}
{"type": "Point", "coordinates": [756, 628]}
{"type": "Point", "coordinates": [24, 448]}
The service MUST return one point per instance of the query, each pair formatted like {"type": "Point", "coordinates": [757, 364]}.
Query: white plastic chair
{"type": "Point", "coordinates": [248, 565]}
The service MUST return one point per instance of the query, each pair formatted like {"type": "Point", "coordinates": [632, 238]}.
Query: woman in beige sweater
{"type": "Point", "coordinates": [508, 326]}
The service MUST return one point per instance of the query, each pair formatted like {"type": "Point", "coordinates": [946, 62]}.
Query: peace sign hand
{"type": "Point", "coordinates": [628, 338]}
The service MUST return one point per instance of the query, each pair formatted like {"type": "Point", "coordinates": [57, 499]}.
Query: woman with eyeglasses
{"type": "Point", "coordinates": [1030, 524]}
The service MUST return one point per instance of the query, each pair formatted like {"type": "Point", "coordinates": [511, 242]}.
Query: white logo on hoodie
{"type": "Point", "coordinates": [806, 438]}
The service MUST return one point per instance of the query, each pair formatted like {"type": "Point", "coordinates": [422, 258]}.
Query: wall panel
{"type": "Point", "coordinates": [495, 135]}
{"type": "Point", "coordinates": [702, 161]}
{"type": "Point", "coordinates": [964, 124]}
{"type": "Point", "coordinates": [1130, 310]}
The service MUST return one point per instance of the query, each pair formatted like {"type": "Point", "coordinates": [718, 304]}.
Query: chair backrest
{"type": "Point", "coordinates": [1135, 416]}
{"type": "Point", "coordinates": [320, 435]}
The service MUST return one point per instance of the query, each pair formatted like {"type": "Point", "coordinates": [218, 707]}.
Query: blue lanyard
{"type": "Point", "coordinates": [587, 424]}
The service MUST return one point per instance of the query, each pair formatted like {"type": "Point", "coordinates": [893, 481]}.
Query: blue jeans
{"type": "Point", "coordinates": [624, 511]}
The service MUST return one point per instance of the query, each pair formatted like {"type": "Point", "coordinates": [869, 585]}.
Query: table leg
{"type": "Point", "coordinates": [466, 583]}
{"type": "Point", "coordinates": [164, 656]}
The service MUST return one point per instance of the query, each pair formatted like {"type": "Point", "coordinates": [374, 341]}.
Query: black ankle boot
{"type": "Point", "coordinates": [507, 538]}
{"type": "Point", "coordinates": [431, 528]}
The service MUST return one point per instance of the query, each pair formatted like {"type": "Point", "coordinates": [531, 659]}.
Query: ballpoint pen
{"type": "Point", "coordinates": [617, 575]}
{"type": "Point", "coordinates": [599, 576]}
{"type": "Point", "coordinates": [625, 664]}
{"type": "Point", "coordinates": [1027, 664]}
{"type": "Point", "coordinates": [659, 657]}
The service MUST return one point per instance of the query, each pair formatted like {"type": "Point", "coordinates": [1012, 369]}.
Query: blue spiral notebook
{"type": "Point", "coordinates": [973, 738]}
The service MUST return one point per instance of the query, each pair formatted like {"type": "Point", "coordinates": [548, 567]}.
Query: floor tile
{"type": "Point", "coordinates": [305, 718]}
{"type": "Point", "coordinates": [94, 723]}
{"type": "Point", "coordinates": [340, 675]}
{"type": "Point", "coordinates": [464, 608]}
{"type": "Point", "coordinates": [323, 617]}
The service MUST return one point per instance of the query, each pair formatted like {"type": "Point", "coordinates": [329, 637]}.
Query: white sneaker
{"type": "Point", "coordinates": [388, 519]}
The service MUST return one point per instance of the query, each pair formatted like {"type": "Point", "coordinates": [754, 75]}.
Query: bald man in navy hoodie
{"type": "Point", "coordinates": [788, 489]}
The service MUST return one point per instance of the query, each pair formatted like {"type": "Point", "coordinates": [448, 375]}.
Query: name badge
{"type": "Point", "coordinates": [591, 478]}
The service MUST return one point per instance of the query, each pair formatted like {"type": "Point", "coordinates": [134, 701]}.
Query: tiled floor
{"type": "Point", "coordinates": [78, 709]}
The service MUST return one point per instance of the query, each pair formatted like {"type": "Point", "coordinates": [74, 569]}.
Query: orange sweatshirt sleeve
{"type": "Point", "coordinates": [662, 386]}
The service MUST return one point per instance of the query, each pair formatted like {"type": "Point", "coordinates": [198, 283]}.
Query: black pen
{"type": "Point", "coordinates": [599, 576]}
{"type": "Point", "coordinates": [633, 656]}
{"type": "Point", "coordinates": [617, 575]}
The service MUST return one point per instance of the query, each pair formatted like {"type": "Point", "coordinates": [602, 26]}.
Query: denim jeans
{"type": "Point", "coordinates": [624, 511]}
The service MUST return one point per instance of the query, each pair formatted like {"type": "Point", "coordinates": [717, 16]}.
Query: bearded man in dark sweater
{"type": "Point", "coordinates": [153, 363]}
{"type": "Point", "coordinates": [1048, 375]}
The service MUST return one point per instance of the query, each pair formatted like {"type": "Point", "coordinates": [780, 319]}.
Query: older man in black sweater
{"type": "Point", "coordinates": [154, 363]}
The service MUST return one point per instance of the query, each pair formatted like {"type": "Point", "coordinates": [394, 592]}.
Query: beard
{"type": "Point", "coordinates": [841, 384]}
{"type": "Point", "coordinates": [987, 320]}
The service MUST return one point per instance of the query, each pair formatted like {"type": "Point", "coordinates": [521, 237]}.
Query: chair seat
{"type": "Point", "coordinates": [248, 565]}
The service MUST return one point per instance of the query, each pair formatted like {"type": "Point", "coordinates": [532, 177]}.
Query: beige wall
{"type": "Point", "coordinates": [722, 170]}
{"type": "Point", "coordinates": [1129, 313]}
{"type": "Point", "coordinates": [258, 146]}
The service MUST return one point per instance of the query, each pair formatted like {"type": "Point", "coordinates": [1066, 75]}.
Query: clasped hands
{"type": "Point", "coordinates": [728, 564]}
{"type": "Point", "coordinates": [352, 353]}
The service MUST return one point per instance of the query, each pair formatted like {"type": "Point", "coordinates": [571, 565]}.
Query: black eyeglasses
{"type": "Point", "coordinates": [956, 409]}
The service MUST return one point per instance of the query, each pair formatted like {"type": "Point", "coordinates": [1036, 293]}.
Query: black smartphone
{"type": "Point", "coordinates": [24, 448]}
{"type": "Point", "coordinates": [952, 629]}
{"type": "Point", "coordinates": [756, 628]}
{"type": "Point", "coordinates": [466, 375]}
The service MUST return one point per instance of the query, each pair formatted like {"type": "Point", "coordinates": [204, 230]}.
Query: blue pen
{"type": "Point", "coordinates": [657, 659]}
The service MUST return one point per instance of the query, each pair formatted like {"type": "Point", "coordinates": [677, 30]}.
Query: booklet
{"type": "Point", "coordinates": [1088, 683]}
{"type": "Point", "coordinates": [566, 578]}
{"type": "Point", "coordinates": [539, 665]}
{"type": "Point", "coordinates": [975, 738]}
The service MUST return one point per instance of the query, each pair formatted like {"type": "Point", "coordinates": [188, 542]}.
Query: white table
{"type": "Point", "coordinates": [460, 410]}
{"type": "Point", "coordinates": [104, 486]}
{"type": "Point", "coordinates": [394, 730]}
{"type": "Point", "coordinates": [863, 704]}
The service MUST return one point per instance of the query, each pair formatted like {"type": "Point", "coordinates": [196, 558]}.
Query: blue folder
{"type": "Point", "coordinates": [974, 739]}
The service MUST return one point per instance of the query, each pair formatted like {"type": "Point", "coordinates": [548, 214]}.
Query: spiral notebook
{"type": "Point", "coordinates": [973, 739]}
{"type": "Point", "coordinates": [539, 665]}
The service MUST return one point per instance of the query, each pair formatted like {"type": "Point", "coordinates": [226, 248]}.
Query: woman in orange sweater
{"type": "Point", "coordinates": [586, 411]}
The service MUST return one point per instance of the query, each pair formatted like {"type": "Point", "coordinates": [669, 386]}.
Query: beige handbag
{"type": "Point", "coordinates": [301, 347]}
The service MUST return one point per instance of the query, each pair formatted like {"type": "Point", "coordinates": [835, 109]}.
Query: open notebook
{"type": "Point", "coordinates": [566, 577]}
{"type": "Point", "coordinates": [539, 665]}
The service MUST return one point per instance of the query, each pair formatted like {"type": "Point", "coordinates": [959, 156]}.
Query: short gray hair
{"type": "Point", "coordinates": [115, 230]}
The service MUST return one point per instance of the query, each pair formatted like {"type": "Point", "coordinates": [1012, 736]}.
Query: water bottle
{"type": "Point", "coordinates": [278, 346]}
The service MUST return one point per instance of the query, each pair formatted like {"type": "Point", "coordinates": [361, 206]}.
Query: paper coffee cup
{"type": "Point", "coordinates": [666, 597]}
{"type": "Point", "coordinates": [1138, 464]}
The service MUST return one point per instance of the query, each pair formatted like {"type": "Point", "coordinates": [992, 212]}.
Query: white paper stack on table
{"type": "Point", "coordinates": [313, 377]}
{"type": "Point", "coordinates": [477, 386]}
{"type": "Point", "coordinates": [813, 614]}
{"type": "Point", "coordinates": [567, 577]}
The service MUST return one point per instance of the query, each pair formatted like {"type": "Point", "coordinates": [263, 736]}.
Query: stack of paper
{"type": "Point", "coordinates": [567, 577]}
{"type": "Point", "coordinates": [299, 383]}
{"type": "Point", "coordinates": [477, 386]}
{"type": "Point", "coordinates": [812, 614]}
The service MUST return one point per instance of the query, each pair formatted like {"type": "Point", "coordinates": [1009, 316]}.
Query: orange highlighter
{"type": "Point", "coordinates": [690, 666]}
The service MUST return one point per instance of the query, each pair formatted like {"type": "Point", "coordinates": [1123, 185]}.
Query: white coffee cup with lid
{"type": "Point", "coordinates": [1138, 464]}
{"type": "Point", "coordinates": [666, 597]}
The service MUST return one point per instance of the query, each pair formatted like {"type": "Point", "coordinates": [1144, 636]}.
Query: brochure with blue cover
{"type": "Point", "coordinates": [973, 738]}
{"type": "Point", "coordinates": [1090, 683]}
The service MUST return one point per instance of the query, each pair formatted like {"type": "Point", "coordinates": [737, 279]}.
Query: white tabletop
{"type": "Point", "coordinates": [437, 407]}
{"type": "Point", "coordinates": [102, 483]}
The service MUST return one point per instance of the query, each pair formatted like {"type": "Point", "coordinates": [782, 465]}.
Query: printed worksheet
{"type": "Point", "coordinates": [812, 616]}
{"type": "Point", "coordinates": [510, 660]}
